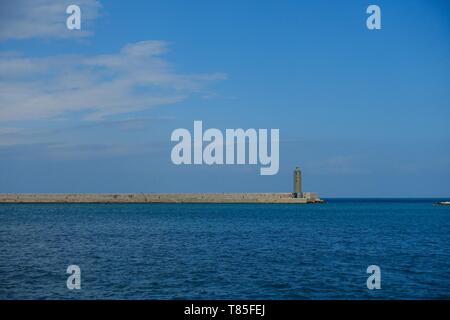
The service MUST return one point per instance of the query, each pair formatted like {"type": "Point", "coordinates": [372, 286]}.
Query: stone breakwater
{"type": "Point", "coordinates": [154, 198]}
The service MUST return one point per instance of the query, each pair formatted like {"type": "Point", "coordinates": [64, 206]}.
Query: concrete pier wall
{"type": "Point", "coordinates": [152, 198]}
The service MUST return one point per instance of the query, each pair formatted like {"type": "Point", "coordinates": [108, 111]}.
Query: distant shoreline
{"type": "Point", "coordinates": [154, 198]}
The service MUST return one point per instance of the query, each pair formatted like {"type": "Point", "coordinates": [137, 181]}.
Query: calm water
{"type": "Point", "coordinates": [226, 251]}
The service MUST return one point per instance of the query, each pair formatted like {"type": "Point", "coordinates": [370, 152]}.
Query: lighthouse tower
{"type": "Point", "coordinates": [297, 183]}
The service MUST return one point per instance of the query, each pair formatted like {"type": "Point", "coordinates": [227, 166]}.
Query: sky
{"type": "Point", "coordinates": [364, 113]}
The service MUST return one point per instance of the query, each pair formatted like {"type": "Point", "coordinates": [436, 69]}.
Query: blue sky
{"type": "Point", "coordinates": [363, 113]}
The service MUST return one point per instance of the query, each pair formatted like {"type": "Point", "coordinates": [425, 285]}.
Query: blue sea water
{"type": "Point", "coordinates": [226, 251]}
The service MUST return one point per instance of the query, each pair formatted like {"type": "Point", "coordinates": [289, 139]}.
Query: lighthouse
{"type": "Point", "coordinates": [297, 183]}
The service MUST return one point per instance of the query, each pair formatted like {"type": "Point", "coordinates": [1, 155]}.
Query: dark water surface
{"type": "Point", "coordinates": [226, 251]}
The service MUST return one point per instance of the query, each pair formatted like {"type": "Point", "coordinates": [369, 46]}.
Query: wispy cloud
{"type": "Point", "coordinates": [96, 87]}
{"type": "Point", "coordinates": [24, 19]}
{"type": "Point", "coordinates": [339, 165]}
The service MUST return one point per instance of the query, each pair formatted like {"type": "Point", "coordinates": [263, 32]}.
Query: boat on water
{"type": "Point", "coordinates": [443, 203]}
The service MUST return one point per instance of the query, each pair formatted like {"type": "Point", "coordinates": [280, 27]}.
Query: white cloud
{"type": "Point", "coordinates": [134, 79]}
{"type": "Point", "coordinates": [22, 19]}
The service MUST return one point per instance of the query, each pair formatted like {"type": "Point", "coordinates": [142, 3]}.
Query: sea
{"type": "Point", "coordinates": [226, 251]}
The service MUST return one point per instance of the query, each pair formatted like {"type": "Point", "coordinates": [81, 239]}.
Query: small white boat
{"type": "Point", "coordinates": [443, 203]}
